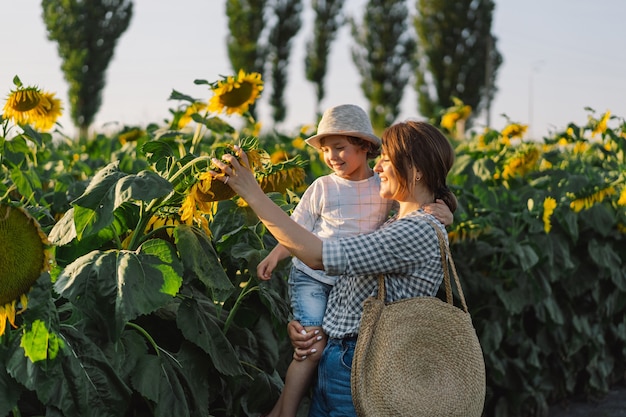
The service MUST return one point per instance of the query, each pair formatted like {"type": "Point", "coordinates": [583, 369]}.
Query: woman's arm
{"type": "Point", "coordinates": [296, 239]}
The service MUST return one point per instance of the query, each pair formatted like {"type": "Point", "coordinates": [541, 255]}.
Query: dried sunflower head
{"type": "Point", "coordinates": [23, 258]}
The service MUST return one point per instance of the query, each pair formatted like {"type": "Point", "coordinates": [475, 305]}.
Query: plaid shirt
{"type": "Point", "coordinates": [406, 251]}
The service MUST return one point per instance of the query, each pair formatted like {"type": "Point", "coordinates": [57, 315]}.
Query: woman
{"type": "Point", "coordinates": [414, 164]}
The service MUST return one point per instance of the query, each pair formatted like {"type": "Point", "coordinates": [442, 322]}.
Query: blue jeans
{"type": "Point", "coordinates": [332, 396]}
{"type": "Point", "coordinates": [308, 298]}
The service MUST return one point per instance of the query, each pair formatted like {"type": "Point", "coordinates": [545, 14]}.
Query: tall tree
{"type": "Point", "coordinates": [246, 23]}
{"type": "Point", "coordinates": [287, 14]}
{"type": "Point", "coordinates": [383, 54]}
{"type": "Point", "coordinates": [86, 33]}
{"type": "Point", "coordinates": [458, 55]}
{"type": "Point", "coordinates": [328, 20]}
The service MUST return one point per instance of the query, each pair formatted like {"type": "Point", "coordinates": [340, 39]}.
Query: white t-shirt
{"type": "Point", "coordinates": [333, 207]}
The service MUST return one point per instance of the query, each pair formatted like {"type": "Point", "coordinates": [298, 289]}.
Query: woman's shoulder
{"type": "Point", "coordinates": [420, 222]}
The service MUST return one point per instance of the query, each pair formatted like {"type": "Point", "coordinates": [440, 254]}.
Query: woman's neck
{"type": "Point", "coordinates": [414, 203]}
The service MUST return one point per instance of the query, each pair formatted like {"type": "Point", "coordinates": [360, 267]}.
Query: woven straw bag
{"type": "Point", "coordinates": [418, 356]}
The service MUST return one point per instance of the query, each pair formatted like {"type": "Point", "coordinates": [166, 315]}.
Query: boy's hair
{"type": "Point", "coordinates": [372, 149]}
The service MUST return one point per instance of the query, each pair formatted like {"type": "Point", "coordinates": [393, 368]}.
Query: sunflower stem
{"type": "Point", "coordinates": [146, 335]}
{"type": "Point", "coordinates": [195, 141]}
{"type": "Point", "coordinates": [233, 311]}
{"type": "Point", "coordinates": [16, 412]}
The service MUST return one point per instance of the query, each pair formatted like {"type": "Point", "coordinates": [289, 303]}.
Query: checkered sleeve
{"type": "Point", "coordinates": [396, 248]}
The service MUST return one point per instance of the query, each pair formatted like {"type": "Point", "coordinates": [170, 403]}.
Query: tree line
{"type": "Point", "coordinates": [446, 50]}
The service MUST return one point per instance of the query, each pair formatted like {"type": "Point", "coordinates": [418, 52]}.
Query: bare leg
{"type": "Point", "coordinates": [299, 376]}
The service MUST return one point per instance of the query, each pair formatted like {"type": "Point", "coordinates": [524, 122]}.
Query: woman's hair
{"type": "Point", "coordinates": [412, 146]}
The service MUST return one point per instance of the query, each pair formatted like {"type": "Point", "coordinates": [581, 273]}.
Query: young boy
{"type": "Point", "coordinates": [343, 203]}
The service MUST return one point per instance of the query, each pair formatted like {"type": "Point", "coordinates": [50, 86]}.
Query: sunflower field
{"type": "Point", "coordinates": [128, 279]}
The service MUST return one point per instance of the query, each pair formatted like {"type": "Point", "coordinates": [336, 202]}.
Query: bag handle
{"type": "Point", "coordinates": [448, 264]}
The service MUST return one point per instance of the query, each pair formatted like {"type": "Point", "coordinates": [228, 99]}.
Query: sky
{"type": "Point", "coordinates": [560, 57]}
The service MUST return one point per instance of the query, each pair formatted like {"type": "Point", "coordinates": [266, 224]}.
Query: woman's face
{"type": "Point", "coordinates": [388, 178]}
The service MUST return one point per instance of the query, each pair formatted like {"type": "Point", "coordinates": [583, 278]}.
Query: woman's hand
{"type": "Point", "coordinates": [296, 239]}
{"type": "Point", "coordinates": [301, 340]}
{"type": "Point", "coordinates": [237, 175]}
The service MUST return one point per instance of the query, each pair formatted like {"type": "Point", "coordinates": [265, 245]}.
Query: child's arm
{"type": "Point", "coordinates": [267, 265]}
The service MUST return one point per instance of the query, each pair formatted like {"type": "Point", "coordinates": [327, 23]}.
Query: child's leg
{"type": "Point", "coordinates": [308, 302]}
{"type": "Point", "coordinates": [299, 376]}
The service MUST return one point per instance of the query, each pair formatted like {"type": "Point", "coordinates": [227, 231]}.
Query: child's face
{"type": "Point", "coordinates": [345, 159]}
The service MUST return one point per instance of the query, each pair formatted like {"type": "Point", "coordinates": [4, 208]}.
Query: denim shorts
{"type": "Point", "coordinates": [332, 396]}
{"type": "Point", "coordinates": [308, 298]}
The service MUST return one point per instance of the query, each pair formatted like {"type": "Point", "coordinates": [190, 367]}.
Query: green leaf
{"type": "Point", "coordinates": [64, 231]}
{"type": "Point", "coordinates": [145, 186]}
{"type": "Point", "coordinates": [203, 329]}
{"type": "Point", "coordinates": [108, 190]}
{"type": "Point", "coordinates": [157, 149]}
{"type": "Point", "coordinates": [94, 208]}
{"type": "Point", "coordinates": [526, 255]}
{"type": "Point", "coordinates": [39, 343]}
{"type": "Point", "coordinates": [114, 287]}
{"type": "Point", "coordinates": [27, 182]}
{"type": "Point", "coordinates": [9, 392]}
{"type": "Point", "coordinates": [600, 219]}
{"type": "Point", "coordinates": [146, 377]}
{"type": "Point", "coordinates": [175, 95]}
{"type": "Point", "coordinates": [32, 134]}
{"type": "Point", "coordinates": [554, 310]}
{"type": "Point", "coordinates": [196, 367]}
{"type": "Point", "coordinates": [200, 258]}
{"type": "Point", "coordinates": [569, 221]}
{"type": "Point", "coordinates": [169, 264]}
{"type": "Point", "coordinates": [79, 382]}
{"type": "Point", "coordinates": [604, 256]}
{"type": "Point", "coordinates": [214, 124]}
{"type": "Point", "coordinates": [158, 378]}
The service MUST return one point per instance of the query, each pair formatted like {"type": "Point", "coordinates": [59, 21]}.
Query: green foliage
{"type": "Point", "coordinates": [288, 23]}
{"type": "Point", "coordinates": [548, 304]}
{"type": "Point", "coordinates": [384, 57]}
{"type": "Point", "coordinates": [144, 313]}
{"type": "Point", "coordinates": [86, 34]}
{"type": "Point", "coordinates": [147, 313]}
{"type": "Point", "coordinates": [246, 23]}
{"type": "Point", "coordinates": [328, 20]}
{"type": "Point", "coordinates": [457, 54]}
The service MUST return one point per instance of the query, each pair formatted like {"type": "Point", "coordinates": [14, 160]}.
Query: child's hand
{"type": "Point", "coordinates": [441, 211]}
{"type": "Point", "coordinates": [265, 268]}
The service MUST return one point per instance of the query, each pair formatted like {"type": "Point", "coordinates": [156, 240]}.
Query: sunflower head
{"type": "Point", "coordinates": [30, 105]}
{"type": "Point", "coordinates": [23, 258]}
{"type": "Point", "coordinates": [288, 174]}
{"type": "Point", "coordinates": [193, 108]}
{"type": "Point", "coordinates": [210, 189]}
{"type": "Point", "coordinates": [235, 94]}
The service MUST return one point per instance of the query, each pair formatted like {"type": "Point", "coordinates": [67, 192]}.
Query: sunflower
{"type": "Point", "coordinates": [23, 258]}
{"type": "Point", "coordinates": [454, 117]}
{"type": "Point", "coordinates": [30, 105]}
{"type": "Point", "coordinates": [192, 109]}
{"type": "Point", "coordinates": [236, 94]}
{"type": "Point", "coordinates": [288, 174]}
{"type": "Point", "coordinates": [549, 204]}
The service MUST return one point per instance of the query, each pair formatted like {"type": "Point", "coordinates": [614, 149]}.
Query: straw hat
{"type": "Point", "coordinates": [346, 119]}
